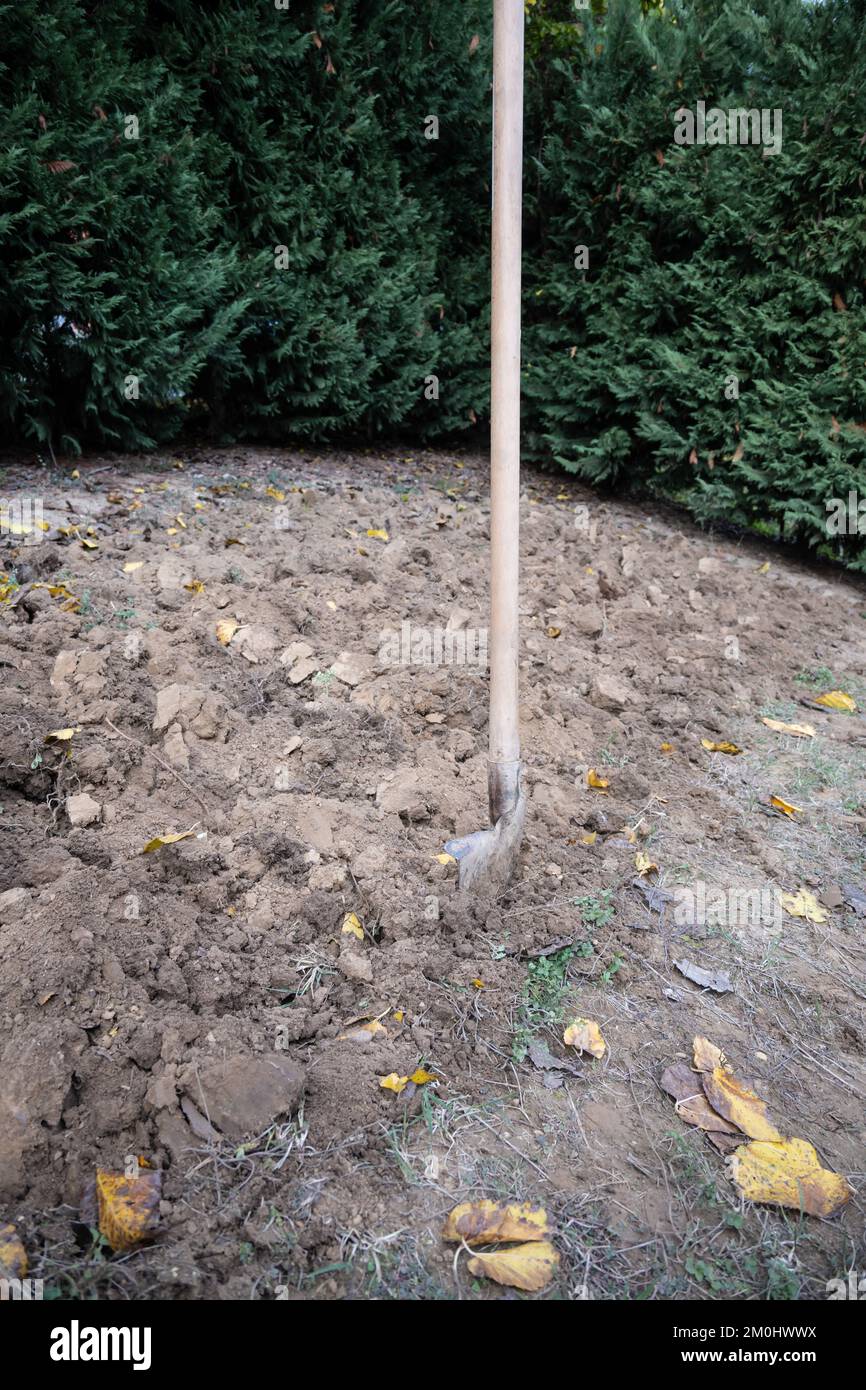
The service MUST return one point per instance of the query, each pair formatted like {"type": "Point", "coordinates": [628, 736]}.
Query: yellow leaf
{"type": "Point", "coordinates": [795, 730]}
{"type": "Point", "coordinates": [764, 568]}
{"type": "Point", "coordinates": [398, 1015]}
{"type": "Point", "coordinates": [482, 1223]}
{"type": "Point", "coordinates": [785, 806]}
{"type": "Point", "coordinates": [644, 864]}
{"type": "Point", "coordinates": [275, 493]}
{"type": "Point", "coordinates": [371, 1029]}
{"type": "Point", "coordinates": [226, 629]}
{"type": "Point", "coordinates": [720, 747]}
{"type": "Point", "coordinates": [89, 545]}
{"type": "Point", "coordinates": [132, 565]}
{"type": "Point", "coordinates": [161, 840]}
{"type": "Point", "coordinates": [422, 1077]}
{"type": "Point", "coordinates": [75, 474]}
{"type": "Point", "coordinates": [232, 540]}
{"type": "Point", "coordinates": [378, 535]}
{"type": "Point", "coordinates": [804, 904]}
{"type": "Point", "coordinates": [554, 632]}
{"type": "Point", "coordinates": [666, 747]}
{"type": "Point", "coordinates": [62, 735]}
{"type": "Point", "coordinates": [738, 1104]}
{"type": "Point", "coordinates": [394, 1083]}
{"type": "Point", "coordinates": [789, 1174]}
{"type": "Point", "coordinates": [171, 531]}
{"type": "Point", "coordinates": [585, 1035]}
{"type": "Point", "coordinates": [13, 1256]}
{"type": "Point", "coordinates": [477, 984]}
{"type": "Point", "coordinates": [128, 1207]}
{"type": "Point", "coordinates": [180, 521]}
{"type": "Point", "coordinates": [707, 1056]}
{"type": "Point", "coordinates": [444, 858]}
{"type": "Point", "coordinates": [589, 837]}
{"type": "Point", "coordinates": [529, 1267]}
{"type": "Point", "coordinates": [352, 927]}
{"type": "Point", "coordinates": [836, 699]}
{"type": "Point", "coordinates": [196, 586]}
{"type": "Point", "coordinates": [593, 780]}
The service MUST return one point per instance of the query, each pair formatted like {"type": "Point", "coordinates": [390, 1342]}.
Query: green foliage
{"type": "Point", "coordinates": [283, 253]}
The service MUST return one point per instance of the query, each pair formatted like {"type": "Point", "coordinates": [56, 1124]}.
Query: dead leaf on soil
{"type": "Point", "coordinates": [352, 927]}
{"type": "Point", "coordinates": [482, 1223]}
{"type": "Point", "coordinates": [128, 1208]}
{"type": "Point", "coordinates": [716, 980]}
{"type": "Point", "coordinates": [364, 1032]}
{"type": "Point", "coordinates": [13, 1256]}
{"type": "Point", "coordinates": [226, 629]}
{"type": "Point", "coordinates": [132, 565]}
{"type": "Point", "coordinates": [707, 1056]}
{"type": "Point", "coordinates": [160, 840]}
{"type": "Point", "coordinates": [195, 586]}
{"type": "Point", "coordinates": [685, 1086]}
{"type": "Point", "coordinates": [593, 780]}
{"type": "Point", "coordinates": [805, 905]}
{"type": "Point", "coordinates": [554, 632]}
{"type": "Point", "coordinates": [785, 806]}
{"type": "Point", "coordinates": [788, 1174]}
{"type": "Point", "coordinates": [836, 699]}
{"type": "Point", "coordinates": [644, 864]}
{"type": "Point", "coordinates": [529, 1267]}
{"type": "Point", "coordinates": [62, 735]}
{"type": "Point", "coordinates": [723, 747]}
{"type": "Point", "coordinates": [585, 1035]}
{"type": "Point", "coordinates": [377, 535]}
{"type": "Point", "coordinates": [795, 730]}
{"type": "Point", "coordinates": [739, 1105]}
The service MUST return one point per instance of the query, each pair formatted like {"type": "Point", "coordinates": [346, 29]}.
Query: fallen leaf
{"type": "Point", "coordinates": [836, 699]}
{"type": "Point", "coordinates": [666, 747]}
{"type": "Point", "coordinates": [685, 1086]}
{"type": "Point", "coordinates": [421, 1077]}
{"type": "Point", "coordinates": [795, 730]}
{"type": "Point", "coordinates": [89, 545]}
{"type": "Point", "coordinates": [394, 1083]}
{"type": "Point", "coordinates": [226, 629]}
{"type": "Point", "coordinates": [720, 747]}
{"type": "Point", "coordinates": [785, 806]}
{"type": "Point", "coordinates": [528, 1267]}
{"type": "Point", "coordinates": [378, 535]}
{"type": "Point", "coordinates": [444, 858]}
{"type": "Point", "coordinates": [788, 1173]}
{"type": "Point", "coordinates": [13, 1256]}
{"type": "Point", "coordinates": [275, 493]}
{"type": "Point", "coordinates": [62, 735]}
{"type": "Point", "coordinates": [232, 540]}
{"type": "Point", "coordinates": [352, 927]}
{"type": "Point", "coordinates": [554, 632]}
{"type": "Point", "coordinates": [589, 837]}
{"type": "Point", "coordinates": [644, 864]}
{"type": "Point", "coordinates": [128, 1208]}
{"type": "Point", "coordinates": [478, 984]}
{"type": "Point", "coordinates": [196, 586]}
{"type": "Point", "coordinates": [764, 568]}
{"type": "Point", "coordinates": [132, 565]}
{"type": "Point", "coordinates": [738, 1104]}
{"type": "Point", "coordinates": [707, 979]}
{"type": "Point", "coordinates": [707, 1057]}
{"type": "Point", "coordinates": [593, 780]}
{"type": "Point", "coordinates": [805, 905]}
{"type": "Point", "coordinates": [482, 1223]}
{"type": "Point", "coordinates": [364, 1031]}
{"type": "Point", "coordinates": [585, 1036]}
{"type": "Point", "coordinates": [162, 840]}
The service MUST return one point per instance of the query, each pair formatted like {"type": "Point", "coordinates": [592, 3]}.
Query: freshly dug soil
{"type": "Point", "coordinates": [202, 1006]}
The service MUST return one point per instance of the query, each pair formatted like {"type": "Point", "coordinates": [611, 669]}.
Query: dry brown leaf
{"type": "Point", "coordinates": [352, 927]}
{"type": "Point", "coordinates": [554, 632]}
{"type": "Point", "coordinates": [585, 1035]}
{"type": "Point", "coordinates": [738, 1104]}
{"type": "Point", "coordinates": [685, 1086]}
{"type": "Point", "coordinates": [226, 629]}
{"type": "Point", "coordinates": [644, 864]}
{"type": "Point", "coordinates": [529, 1267]}
{"type": "Point", "coordinates": [128, 1208]}
{"type": "Point", "coordinates": [788, 1174]}
{"type": "Point", "coordinates": [795, 730]}
{"type": "Point", "coordinates": [482, 1223]}
{"type": "Point", "coordinates": [707, 1056]}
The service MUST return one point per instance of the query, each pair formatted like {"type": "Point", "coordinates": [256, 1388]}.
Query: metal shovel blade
{"type": "Point", "coordinates": [487, 859]}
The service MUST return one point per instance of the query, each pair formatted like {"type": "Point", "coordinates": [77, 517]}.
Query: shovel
{"type": "Point", "coordinates": [487, 858]}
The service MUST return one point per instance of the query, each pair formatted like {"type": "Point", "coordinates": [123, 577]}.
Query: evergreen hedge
{"type": "Point", "coordinates": [283, 253]}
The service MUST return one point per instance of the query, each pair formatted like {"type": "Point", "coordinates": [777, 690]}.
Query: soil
{"type": "Point", "coordinates": [201, 1005]}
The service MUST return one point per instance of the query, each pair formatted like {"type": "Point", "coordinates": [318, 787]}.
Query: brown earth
{"type": "Point", "coordinates": [190, 1005]}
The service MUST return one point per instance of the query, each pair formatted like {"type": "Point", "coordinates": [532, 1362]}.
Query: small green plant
{"type": "Point", "coordinates": [542, 1003]}
{"type": "Point", "coordinates": [596, 910]}
{"type": "Point", "coordinates": [822, 675]}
